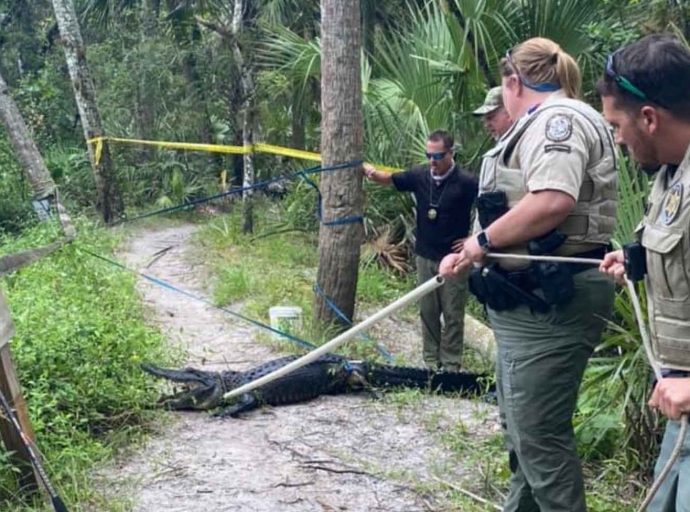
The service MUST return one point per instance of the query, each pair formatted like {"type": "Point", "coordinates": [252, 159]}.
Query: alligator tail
{"type": "Point", "coordinates": [408, 377]}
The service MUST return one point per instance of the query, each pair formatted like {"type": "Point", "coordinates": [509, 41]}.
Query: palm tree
{"type": "Point", "coordinates": [341, 142]}
{"type": "Point", "coordinates": [109, 202]}
{"type": "Point", "coordinates": [25, 148]}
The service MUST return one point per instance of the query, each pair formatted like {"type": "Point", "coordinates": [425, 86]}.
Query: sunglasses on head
{"type": "Point", "coordinates": [436, 157]}
{"type": "Point", "coordinates": [624, 83]}
{"type": "Point", "coordinates": [546, 87]}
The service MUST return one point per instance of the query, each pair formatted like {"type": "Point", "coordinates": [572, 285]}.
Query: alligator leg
{"type": "Point", "coordinates": [246, 402]}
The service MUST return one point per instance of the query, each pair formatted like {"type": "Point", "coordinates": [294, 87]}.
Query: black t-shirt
{"type": "Point", "coordinates": [452, 201]}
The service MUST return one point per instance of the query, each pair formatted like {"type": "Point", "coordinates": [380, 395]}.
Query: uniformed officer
{"type": "Point", "coordinates": [445, 195]}
{"type": "Point", "coordinates": [494, 114]}
{"type": "Point", "coordinates": [548, 187]}
{"type": "Point", "coordinates": [646, 99]}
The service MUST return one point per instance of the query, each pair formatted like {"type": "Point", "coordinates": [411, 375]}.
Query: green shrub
{"type": "Point", "coordinates": [81, 335]}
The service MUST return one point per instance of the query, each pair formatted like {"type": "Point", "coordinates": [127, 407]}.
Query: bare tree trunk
{"type": "Point", "coordinates": [247, 81]}
{"type": "Point", "coordinates": [197, 95]}
{"type": "Point", "coordinates": [109, 201]}
{"type": "Point", "coordinates": [146, 102]}
{"type": "Point", "coordinates": [341, 142]}
{"type": "Point", "coordinates": [34, 167]}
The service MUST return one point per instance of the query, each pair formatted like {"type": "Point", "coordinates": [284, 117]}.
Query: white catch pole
{"type": "Point", "coordinates": [529, 257]}
{"type": "Point", "coordinates": [415, 294]}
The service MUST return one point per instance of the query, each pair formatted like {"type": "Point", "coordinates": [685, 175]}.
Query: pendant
{"type": "Point", "coordinates": [432, 214]}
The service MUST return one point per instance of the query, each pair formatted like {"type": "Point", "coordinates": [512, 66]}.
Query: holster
{"type": "Point", "coordinates": [490, 206]}
{"type": "Point", "coordinates": [502, 291]}
{"type": "Point", "coordinates": [635, 261]}
{"type": "Point", "coordinates": [554, 279]}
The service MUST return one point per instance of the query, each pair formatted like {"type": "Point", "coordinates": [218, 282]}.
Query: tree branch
{"type": "Point", "coordinates": [221, 30]}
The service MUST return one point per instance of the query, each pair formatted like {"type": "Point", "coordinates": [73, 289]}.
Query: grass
{"type": "Point", "coordinates": [81, 334]}
{"type": "Point", "coordinates": [277, 268]}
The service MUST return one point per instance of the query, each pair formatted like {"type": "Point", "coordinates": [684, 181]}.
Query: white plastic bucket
{"type": "Point", "coordinates": [285, 319]}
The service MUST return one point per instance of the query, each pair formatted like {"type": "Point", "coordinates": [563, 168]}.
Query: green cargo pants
{"type": "Point", "coordinates": [540, 362]}
{"type": "Point", "coordinates": [674, 494]}
{"type": "Point", "coordinates": [442, 347]}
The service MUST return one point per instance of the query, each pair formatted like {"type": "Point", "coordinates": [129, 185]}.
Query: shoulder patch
{"type": "Point", "coordinates": [671, 205]}
{"type": "Point", "coordinates": [559, 127]}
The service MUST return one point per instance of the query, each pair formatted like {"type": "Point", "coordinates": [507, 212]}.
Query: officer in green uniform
{"type": "Point", "coordinates": [646, 99]}
{"type": "Point", "coordinates": [548, 187]}
{"type": "Point", "coordinates": [494, 114]}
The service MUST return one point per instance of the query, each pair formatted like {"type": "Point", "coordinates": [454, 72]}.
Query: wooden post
{"type": "Point", "coordinates": [9, 385]}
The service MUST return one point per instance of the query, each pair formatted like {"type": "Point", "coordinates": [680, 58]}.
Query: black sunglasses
{"type": "Point", "coordinates": [436, 157]}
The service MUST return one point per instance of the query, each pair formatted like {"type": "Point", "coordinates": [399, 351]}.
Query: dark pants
{"type": "Point", "coordinates": [442, 347]}
{"type": "Point", "coordinates": [540, 363]}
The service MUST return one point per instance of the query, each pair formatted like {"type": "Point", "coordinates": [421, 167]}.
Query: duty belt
{"type": "Point", "coordinates": [527, 281]}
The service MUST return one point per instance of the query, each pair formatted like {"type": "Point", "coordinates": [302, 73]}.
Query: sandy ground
{"type": "Point", "coordinates": [343, 453]}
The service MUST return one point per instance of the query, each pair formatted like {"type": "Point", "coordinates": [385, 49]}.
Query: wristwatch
{"type": "Point", "coordinates": [484, 241]}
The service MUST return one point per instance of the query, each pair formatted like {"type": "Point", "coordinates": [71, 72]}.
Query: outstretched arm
{"type": "Point", "coordinates": [380, 177]}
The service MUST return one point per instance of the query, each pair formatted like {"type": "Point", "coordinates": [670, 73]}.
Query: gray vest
{"type": "Point", "coordinates": [593, 219]}
{"type": "Point", "coordinates": [666, 236]}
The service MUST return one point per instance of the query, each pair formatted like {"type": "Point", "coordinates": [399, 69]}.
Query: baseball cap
{"type": "Point", "coordinates": [493, 100]}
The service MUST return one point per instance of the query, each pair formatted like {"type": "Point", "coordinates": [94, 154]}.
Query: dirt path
{"type": "Point", "coordinates": [344, 453]}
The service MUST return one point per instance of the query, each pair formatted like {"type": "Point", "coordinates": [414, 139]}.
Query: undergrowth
{"type": "Point", "coordinates": [80, 336]}
{"type": "Point", "coordinates": [277, 268]}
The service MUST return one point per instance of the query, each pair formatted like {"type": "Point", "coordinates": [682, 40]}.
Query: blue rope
{"type": "Point", "coordinates": [319, 208]}
{"type": "Point", "coordinates": [238, 190]}
{"type": "Point", "coordinates": [173, 288]}
{"type": "Point", "coordinates": [304, 173]}
{"type": "Point", "coordinates": [381, 350]}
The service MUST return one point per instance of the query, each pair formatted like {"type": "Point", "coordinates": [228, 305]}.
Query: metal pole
{"type": "Point", "coordinates": [415, 294]}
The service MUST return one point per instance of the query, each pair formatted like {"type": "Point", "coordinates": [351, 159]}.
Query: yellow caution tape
{"type": "Point", "coordinates": [218, 148]}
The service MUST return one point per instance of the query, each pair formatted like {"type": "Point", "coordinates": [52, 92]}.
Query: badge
{"type": "Point", "coordinates": [559, 128]}
{"type": "Point", "coordinates": [432, 214]}
{"type": "Point", "coordinates": [671, 206]}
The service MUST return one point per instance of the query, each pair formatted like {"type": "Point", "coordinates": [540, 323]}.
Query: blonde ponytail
{"type": "Point", "coordinates": [539, 62]}
{"type": "Point", "coordinates": [568, 73]}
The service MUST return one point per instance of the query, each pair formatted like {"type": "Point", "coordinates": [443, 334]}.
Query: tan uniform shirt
{"type": "Point", "coordinates": [666, 237]}
{"type": "Point", "coordinates": [563, 145]}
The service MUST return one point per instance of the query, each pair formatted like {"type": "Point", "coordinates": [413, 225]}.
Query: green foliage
{"type": "Point", "coordinates": [233, 284]}
{"type": "Point", "coordinates": [80, 338]}
{"type": "Point", "coordinates": [612, 413]}
{"type": "Point", "coordinates": [275, 268]}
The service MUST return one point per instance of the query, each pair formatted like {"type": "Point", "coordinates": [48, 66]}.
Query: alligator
{"type": "Point", "coordinates": [328, 375]}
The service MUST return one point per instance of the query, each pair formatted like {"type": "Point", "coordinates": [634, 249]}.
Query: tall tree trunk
{"type": "Point", "coordinates": [196, 93]}
{"type": "Point", "coordinates": [247, 82]}
{"type": "Point", "coordinates": [146, 99]}
{"type": "Point", "coordinates": [236, 124]}
{"type": "Point", "coordinates": [109, 201]}
{"type": "Point", "coordinates": [34, 167]}
{"type": "Point", "coordinates": [341, 142]}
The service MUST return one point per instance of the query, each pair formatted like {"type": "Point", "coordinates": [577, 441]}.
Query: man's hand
{"type": "Point", "coordinates": [455, 263]}
{"type": "Point", "coordinates": [458, 245]}
{"type": "Point", "coordinates": [613, 265]}
{"type": "Point", "coordinates": [450, 265]}
{"type": "Point", "coordinates": [368, 170]}
{"type": "Point", "coordinates": [672, 397]}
